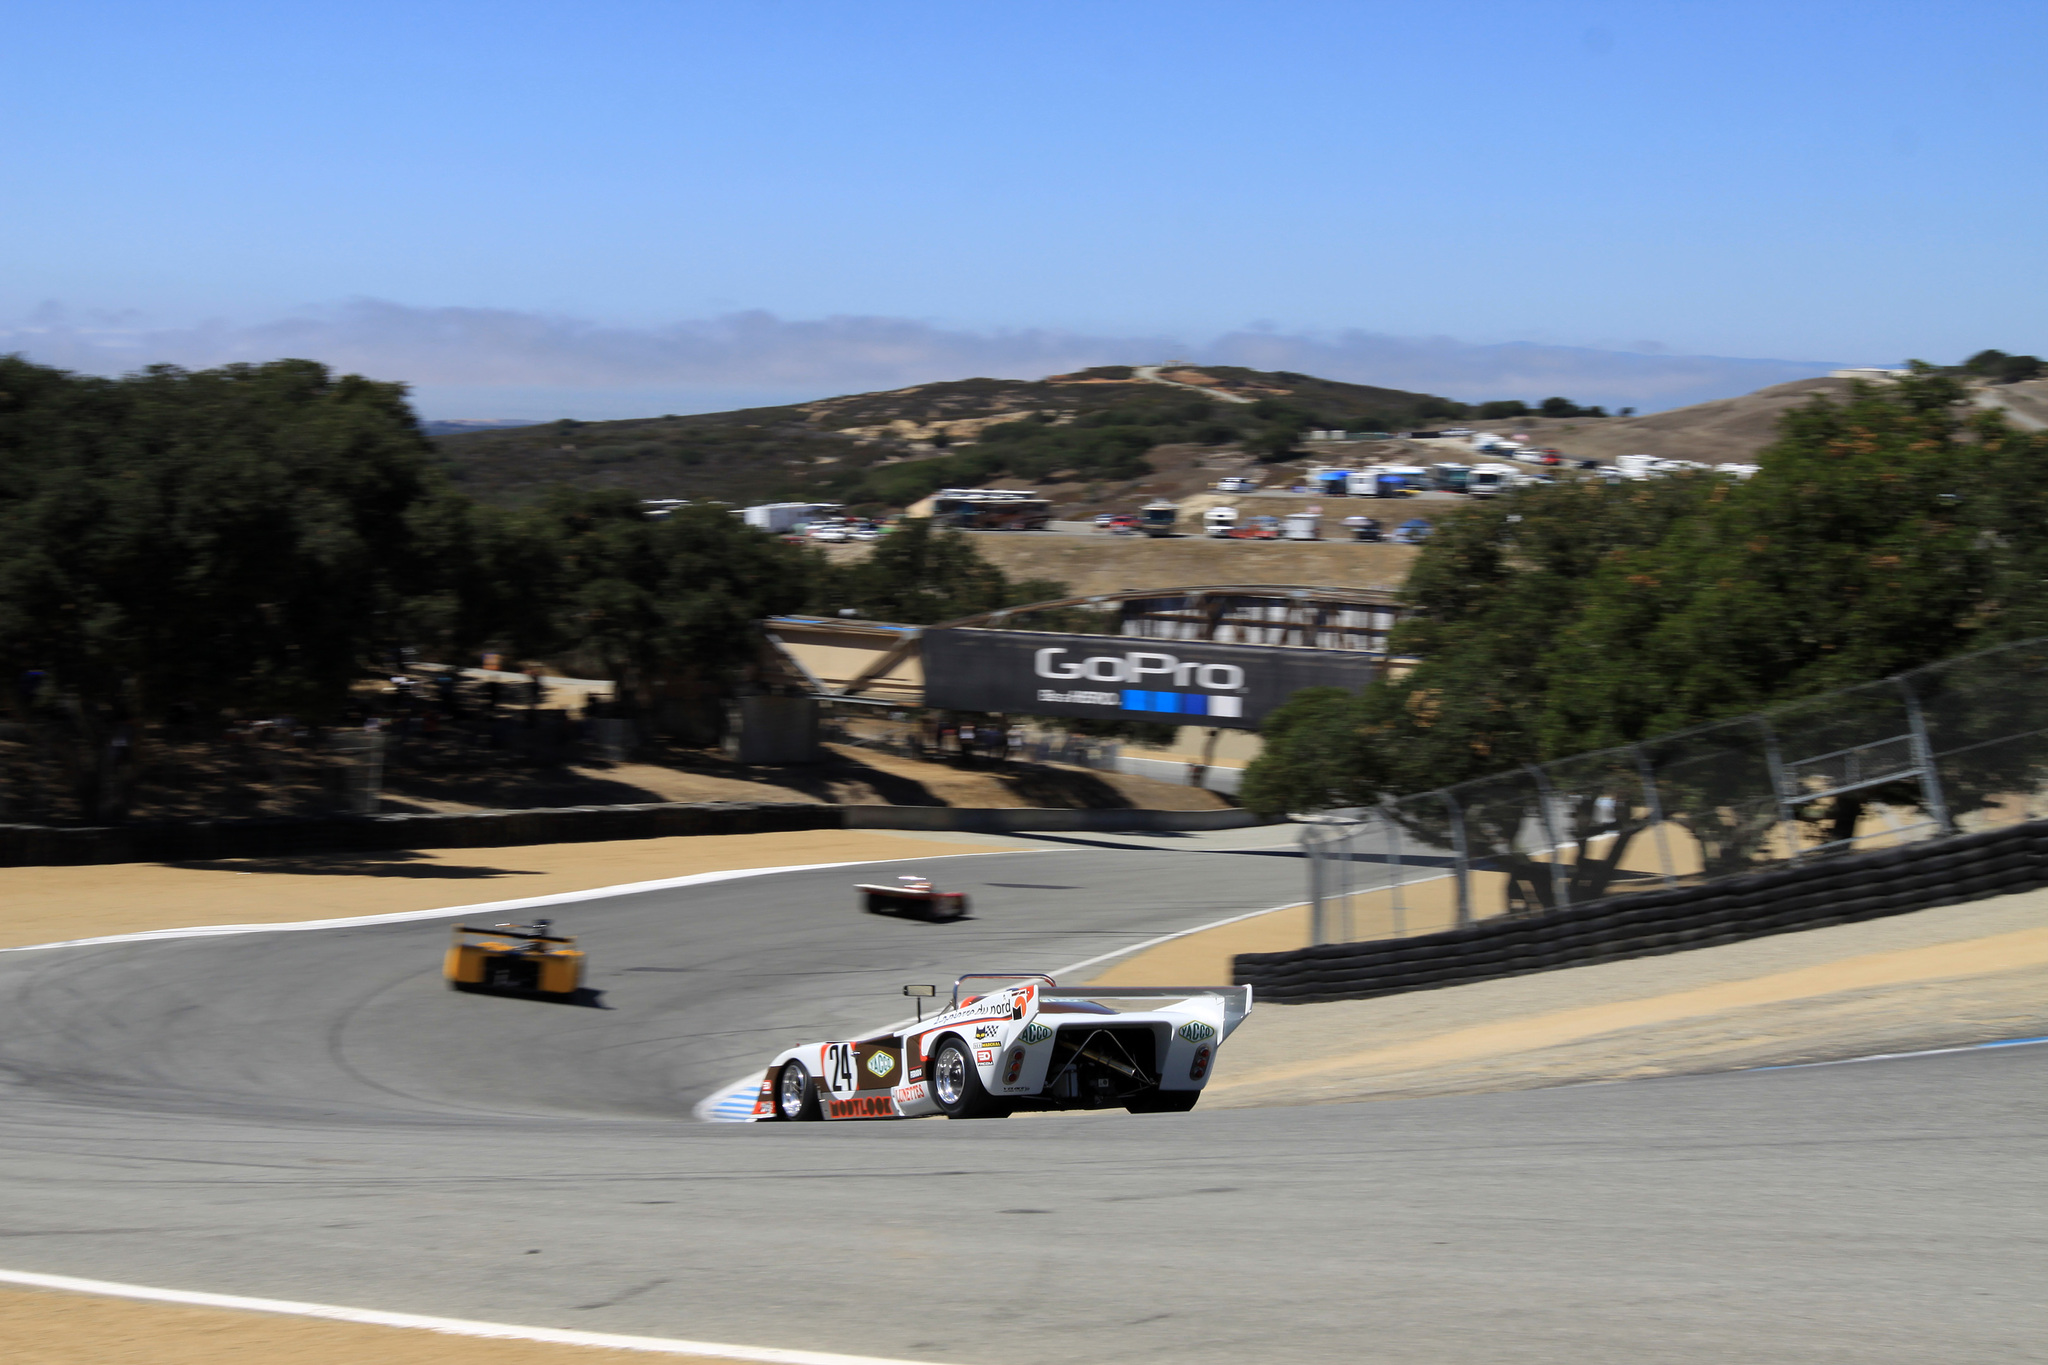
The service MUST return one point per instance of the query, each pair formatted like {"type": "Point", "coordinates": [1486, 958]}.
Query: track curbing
{"type": "Point", "coordinates": [459, 1327]}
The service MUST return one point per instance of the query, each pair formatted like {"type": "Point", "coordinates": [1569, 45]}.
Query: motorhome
{"type": "Point", "coordinates": [1303, 526]}
{"type": "Point", "coordinates": [1158, 518]}
{"type": "Point", "coordinates": [1449, 478]}
{"type": "Point", "coordinates": [1219, 521]}
{"type": "Point", "coordinates": [988, 509]}
{"type": "Point", "coordinates": [1485, 480]}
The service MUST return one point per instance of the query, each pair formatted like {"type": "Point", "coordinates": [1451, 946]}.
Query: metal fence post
{"type": "Point", "coordinates": [1560, 887]}
{"type": "Point", "coordinates": [1923, 759]}
{"type": "Point", "coordinates": [1461, 861]}
{"type": "Point", "coordinates": [1656, 808]}
{"type": "Point", "coordinates": [1311, 845]}
{"type": "Point", "coordinates": [1776, 761]}
{"type": "Point", "coordinates": [1394, 867]}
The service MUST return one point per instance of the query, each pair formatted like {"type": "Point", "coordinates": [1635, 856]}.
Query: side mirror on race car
{"type": "Point", "coordinates": [923, 993]}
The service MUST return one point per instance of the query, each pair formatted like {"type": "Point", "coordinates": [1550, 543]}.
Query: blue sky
{"type": "Point", "coordinates": [533, 209]}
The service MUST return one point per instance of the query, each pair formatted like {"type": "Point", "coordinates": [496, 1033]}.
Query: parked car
{"type": "Point", "coordinates": [1236, 483]}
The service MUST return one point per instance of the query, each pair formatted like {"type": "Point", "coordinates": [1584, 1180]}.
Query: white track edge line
{"type": "Point", "coordinates": [1901, 1056]}
{"type": "Point", "coordinates": [701, 1111]}
{"type": "Point", "coordinates": [460, 1327]}
{"type": "Point", "coordinates": [490, 907]}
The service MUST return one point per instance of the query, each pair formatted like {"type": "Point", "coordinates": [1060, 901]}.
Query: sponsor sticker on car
{"type": "Point", "coordinates": [985, 1056]}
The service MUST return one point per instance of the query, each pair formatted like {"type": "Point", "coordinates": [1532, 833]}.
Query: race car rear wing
{"type": "Point", "coordinates": [1237, 1000]}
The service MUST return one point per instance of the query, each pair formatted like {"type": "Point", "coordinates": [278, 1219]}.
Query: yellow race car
{"type": "Point", "coordinates": [517, 959]}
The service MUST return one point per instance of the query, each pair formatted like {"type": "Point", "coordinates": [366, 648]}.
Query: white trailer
{"type": "Point", "coordinates": [1219, 521]}
{"type": "Point", "coordinates": [781, 516]}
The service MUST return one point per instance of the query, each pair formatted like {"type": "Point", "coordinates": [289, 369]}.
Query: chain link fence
{"type": "Point", "coordinates": [1955, 747]}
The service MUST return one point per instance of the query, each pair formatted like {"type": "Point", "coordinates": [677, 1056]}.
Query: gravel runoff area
{"type": "Point", "coordinates": [39, 1327]}
{"type": "Point", "coordinates": [57, 904]}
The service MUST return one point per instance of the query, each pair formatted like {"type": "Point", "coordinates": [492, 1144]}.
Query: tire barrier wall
{"type": "Point", "coordinates": [1810, 895]}
{"type": "Point", "coordinates": [997, 820]}
{"type": "Point", "coordinates": [46, 846]}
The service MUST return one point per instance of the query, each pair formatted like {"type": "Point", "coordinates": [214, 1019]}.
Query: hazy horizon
{"type": "Point", "coordinates": [486, 364]}
{"type": "Point", "coordinates": [689, 206]}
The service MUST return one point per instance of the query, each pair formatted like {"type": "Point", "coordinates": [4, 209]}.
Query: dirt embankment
{"type": "Point", "coordinates": [1730, 430]}
{"type": "Point", "coordinates": [848, 775]}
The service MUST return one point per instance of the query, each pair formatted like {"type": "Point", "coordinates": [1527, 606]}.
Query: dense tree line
{"type": "Point", "coordinates": [1882, 533]}
{"type": "Point", "coordinates": [244, 541]}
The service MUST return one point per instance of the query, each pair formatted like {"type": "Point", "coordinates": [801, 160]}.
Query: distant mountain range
{"type": "Point", "coordinates": [455, 426]}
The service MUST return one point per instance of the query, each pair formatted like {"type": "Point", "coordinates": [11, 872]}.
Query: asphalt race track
{"type": "Point", "coordinates": [314, 1116]}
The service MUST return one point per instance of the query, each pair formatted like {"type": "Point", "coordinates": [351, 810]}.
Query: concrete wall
{"type": "Point", "coordinates": [46, 846]}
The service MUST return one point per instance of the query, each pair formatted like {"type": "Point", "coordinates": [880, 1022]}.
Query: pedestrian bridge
{"type": "Point", "coordinates": [882, 663]}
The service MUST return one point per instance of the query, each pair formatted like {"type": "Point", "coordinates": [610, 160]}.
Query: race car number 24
{"type": "Point", "coordinates": [839, 1077]}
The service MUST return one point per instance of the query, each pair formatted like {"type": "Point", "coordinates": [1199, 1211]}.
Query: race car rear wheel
{"type": "Point", "coordinates": [945, 909]}
{"type": "Point", "coordinates": [956, 1084]}
{"type": "Point", "coordinates": [796, 1095]}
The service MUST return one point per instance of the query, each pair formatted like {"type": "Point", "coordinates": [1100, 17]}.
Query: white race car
{"type": "Point", "coordinates": [1032, 1045]}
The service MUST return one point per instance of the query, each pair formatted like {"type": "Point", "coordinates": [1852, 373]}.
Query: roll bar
{"type": "Point", "coordinates": [995, 976]}
{"type": "Point", "coordinates": [513, 931]}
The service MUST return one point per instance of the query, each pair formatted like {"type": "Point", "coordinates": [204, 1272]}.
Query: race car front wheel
{"type": "Point", "coordinates": [796, 1095]}
{"type": "Point", "coordinates": [956, 1084]}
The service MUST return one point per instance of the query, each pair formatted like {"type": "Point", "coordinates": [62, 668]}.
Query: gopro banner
{"type": "Point", "coordinates": [1126, 677]}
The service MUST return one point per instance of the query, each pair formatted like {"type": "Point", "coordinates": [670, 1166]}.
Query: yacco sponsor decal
{"type": "Point", "coordinates": [1016, 1065]}
{"type": "Point", "coordinates": [1034, 1032]}
{"type": "Point", "coordinates": [1200, 1068]}
{"type": "Point", "coordinates": [882, 1063]}
{"type": "Point", "coordinates": [1195, 1031]}
{"type": "Point", "coordinates": [864, 1107]}
{"type": "Point", "coordinates": [985, 1057]}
